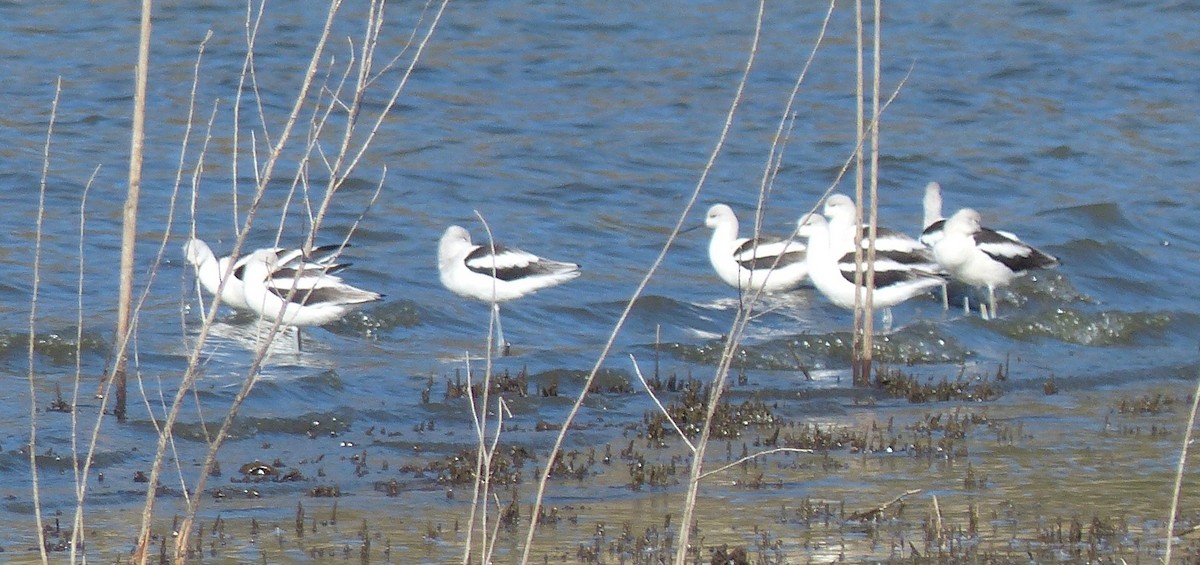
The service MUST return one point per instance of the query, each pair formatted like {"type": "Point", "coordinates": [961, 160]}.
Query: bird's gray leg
{"type": "Point", "coordinates": [501, 344]}
{"type": "Point", "coordinates": [992, 300]}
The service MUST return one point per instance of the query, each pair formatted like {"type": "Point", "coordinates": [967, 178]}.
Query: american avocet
{"type": "Point", "coordinates": [313, 298]}
{"type": "Point", "coordinates": [933, 228]}
{"type": "Point", "coordinates": [980, 256]}
{"type": "Point", "coordinates": [749, 264]}
{"type": "Point", "coordinates": [901, 247]}
{"type": "Point", "coordinates": [494, 273]}
{"type": "Point", "coordinates": [832, 272]}
{"type": "Point", "coordinates": [934, 223]}
{"type": "Point", "coordinates": [209, 269]}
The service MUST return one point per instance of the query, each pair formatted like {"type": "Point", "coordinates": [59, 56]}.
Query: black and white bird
{"type": "Point", "coordinates": [903, 248]}
{"type": "Point", "coordinates": [494, 273]}
{"type": "Point", "coordinates": [307, 297]}
{"type": "Point", "coordinates": [289, 263]}
{"type": "Point", "coordinates": [984, 257]}
{"type": "Point", "coordinates": [933, 228]}
{"type": "Point", "coordinates": [832, 272]}
{"type": "Point", "coordinates": [934, 223]}
{"type": "Point", "coordinates": [750, 264]}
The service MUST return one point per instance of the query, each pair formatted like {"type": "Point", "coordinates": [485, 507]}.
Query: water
{"type": "Point", "coordinates": [578, 132]}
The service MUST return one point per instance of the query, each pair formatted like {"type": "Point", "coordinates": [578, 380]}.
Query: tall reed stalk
{"type": "Point", "coordinates": [137, 138]}
{"type": "Point", "coordinates": [866, 212]}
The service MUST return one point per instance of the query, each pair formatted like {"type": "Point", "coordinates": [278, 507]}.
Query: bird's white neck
{"type": "Point", "coordinates": [933, 206]}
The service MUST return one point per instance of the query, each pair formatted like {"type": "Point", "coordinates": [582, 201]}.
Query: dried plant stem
{"type": "Point", "coordinates": [33, 302]}
{"type": "Point", "coordinates": [878, 510]}
{"type": "Point", "coordinates": [869, 306]}
{"type": "Point", "coordinates": [756, 455]}
{"type": "Point", "coordinates": [937, 522]}
{"type": "Point", "coordinates": [129, 219]}
{"type": "Point", "coordinates": [347, 159]}
{"type": "Point", "coordinates": [638, 371]}
{"type": "Point", "coordinates": [864, 272]}
{"type": "Point", "coordinates": [263, 178]}
{"type": "Point", "coordinates": [778, 144]}
{"type": "Point", "coordinates": [1178, 488]}
{"type": "Point", "coordinates": [81, 468]}
{"type": "Point", "coordinates": [483, 460]}
{"type": "Point", "coordinates": [253, 22]}
{"type": "Point", "coordinates": [719, 380]}
{"type": "Point", "coordinates": [480, 456]}
{"type": "Point", "coordinates": [857, 349]}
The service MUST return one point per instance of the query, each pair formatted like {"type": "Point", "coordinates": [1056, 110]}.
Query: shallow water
{"type": "Point", "coordinates": [578, 133]}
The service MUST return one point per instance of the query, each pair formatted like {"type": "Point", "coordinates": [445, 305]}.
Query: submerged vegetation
{"type": "Point", "coordinates": [889, 480]}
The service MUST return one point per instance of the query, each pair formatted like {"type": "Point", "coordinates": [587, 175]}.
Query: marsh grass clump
{"type": "Point", "coordinates": [955, 425]}
{"type": "Point", "coordinates": [57, 538]}
{"type": "Point", "coordinates": [809, 513]}
{"type": "Point", "coordinates": [973, 480]}
{"type": "Point", "coordinates": [898, 384]}
{"type": "Point", "coordinates": [390, 487]}
{"type": "Point", "coordinates": [644, 474]}
{"type": "Point", "coordinates": [568, 465]}
{"type": "Point", "coordinates": [689, 409]}
{"type": "Point", "coordinates": [510, 517]}
{"type": "Point", "coordinates": [611, 381]}
{"type": "Point", "coordinates": [1150, 404]}
{"type": "Point", "coordinates": [59, 404]}
{"type": "Point", "coordinates": [459, 468]}
{"type": "Point", "coordinates": [325, 491]}
{"type": "Point", "coordinates": [725, 555]}
{"type": "Point", "coordinates": [1084, 542]}
{"type": "Point", "coordinates": [818, 438]}
{"type": "Point", "coordinates": [505, 383]}
{"type": "Point", "coordinates": [617, 385]}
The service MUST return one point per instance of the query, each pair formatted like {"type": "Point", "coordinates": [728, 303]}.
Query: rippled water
{"type": "Point", "coordinates": [578, 132]}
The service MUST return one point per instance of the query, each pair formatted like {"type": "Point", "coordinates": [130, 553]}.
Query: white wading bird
{"type": "Point", "coordinates": [209, 269]}
{"type": "Point", "coordinates": [311, 297]}
{"type": "Point", "coordinates": [494, 273]}
{"type": "Point", "coordinates": [984, 257]}
{"type": "Point", "coordinates": [750, 264]}
{"type": "Point", "coordinates": [832, 272]}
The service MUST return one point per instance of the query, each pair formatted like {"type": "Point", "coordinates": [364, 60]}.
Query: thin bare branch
{"type": "Point", "coordinates": [33, 302]}
{"type": "Point", "coordinates": [346, 167]}
{"type": "Point", "coordinates": [718, 386]}
{"type": "Point", "coordinates": [77, 530]}
{"type": "Point", "coordinates": [638, 371]}
{"type": "Point", "coordinates": [1178, 487]}
{"type": "Point", "coordinates": [755, 455]}
{"type": "Point", "coordinates": [879, 510]}
{"type": "Point", "coordinates": [787, 121]}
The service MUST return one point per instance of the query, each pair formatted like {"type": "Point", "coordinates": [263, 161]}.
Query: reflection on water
{"type": "Point", "coordinates": [229, 342]}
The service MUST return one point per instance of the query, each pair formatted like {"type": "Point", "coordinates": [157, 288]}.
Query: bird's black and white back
{"type": "Point", "coordinates": [494, 272]}
{"type": "Point", "coordinates": [1015, 254]}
